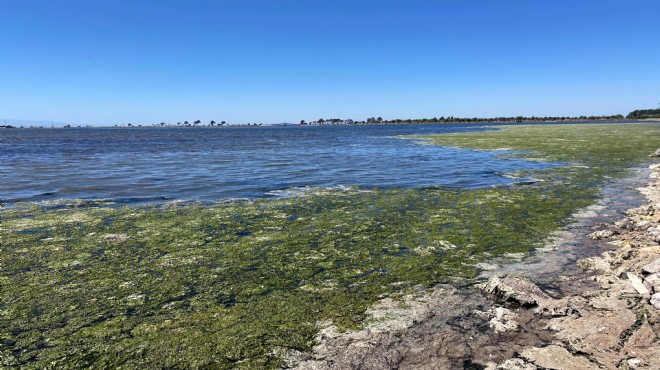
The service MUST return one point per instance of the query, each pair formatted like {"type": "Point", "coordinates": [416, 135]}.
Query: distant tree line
{"type": "Point", "coordinates": [636, 114]}
{"type": "Point", "coordinates": [196, 123]}
{"type": "Point", "coordinates": [644, 113]}
{"type": "Point", "coordinates": [452, 119]}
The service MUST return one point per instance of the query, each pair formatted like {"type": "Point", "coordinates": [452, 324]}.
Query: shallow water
{"type": "Point", "coordinates": [565, 247]}
{"type": "Point", "coordinates": [137, 165]}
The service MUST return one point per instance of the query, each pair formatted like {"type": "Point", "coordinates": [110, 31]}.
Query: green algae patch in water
{"type": "Point", "coordinates": [607, 145]}
{"type": "Point", "coordinates": [233, 284]}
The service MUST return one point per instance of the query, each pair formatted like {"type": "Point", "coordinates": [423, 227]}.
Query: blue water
{"type": "Point", "coordinates": [157, 164]}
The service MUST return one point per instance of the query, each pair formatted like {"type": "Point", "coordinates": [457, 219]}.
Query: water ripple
{"type": "Point", "coordinates": [159, 164]}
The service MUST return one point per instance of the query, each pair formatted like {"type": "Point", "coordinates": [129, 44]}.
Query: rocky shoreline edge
{"type": "Point", "coordinates": [607, 316]}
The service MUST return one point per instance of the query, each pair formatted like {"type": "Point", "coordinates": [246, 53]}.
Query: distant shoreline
{"type": "Point", "coordinates": [385, 123]}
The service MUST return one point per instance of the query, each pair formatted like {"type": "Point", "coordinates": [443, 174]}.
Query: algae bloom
{"type": "Point", "coordinates": [236, 283]}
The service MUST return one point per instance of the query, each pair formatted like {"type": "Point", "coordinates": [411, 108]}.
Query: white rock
{"type": "Point", "coordinates": [634, 362]}
{"type": "Point", "coordinates": [637, 284]}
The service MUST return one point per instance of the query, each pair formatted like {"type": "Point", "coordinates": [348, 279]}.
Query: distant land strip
{"type": "Point", "coordinates": [640, 114]}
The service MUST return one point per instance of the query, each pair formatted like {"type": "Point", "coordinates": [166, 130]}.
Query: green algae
{"type": "Point", "coordinates": [608, 145]}
{"type": "Point", "coordinates": [232, 284]}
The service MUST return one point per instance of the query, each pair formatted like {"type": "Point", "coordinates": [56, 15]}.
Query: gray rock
{"type": "Point", "coordinates": [653, 282]}
{"type": "Point", "coordinates": [602, 234]}
{"type": "Point", "coordinates": [654, 233]}
{"type": "Point", "coordinates": [655, 300]}
{"type": "Point", "coordinates": [625, 224]}
{"type": "Point", "coordinates": [652, 267]}
{"type": "Point", "coordinates": [643, 225]}
{"type": "Point", "coordinates": [515, 289]}
{"type": "Point", "coordinates": [503, 320]}
{"type": "Point", "coordinates": [656, 238]}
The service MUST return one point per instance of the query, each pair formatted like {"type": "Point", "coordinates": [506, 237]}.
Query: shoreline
{"type": "Point", "coordinates": [592, 315]}
{"type": "Point", "coordinates": [608, 318]}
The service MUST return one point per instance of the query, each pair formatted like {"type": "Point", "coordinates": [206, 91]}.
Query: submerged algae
{"type": "Point", "coordinates": [232, 284]}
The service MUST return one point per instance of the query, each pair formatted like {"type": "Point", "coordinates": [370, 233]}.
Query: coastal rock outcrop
{"type": "Point", "coordinates": [611, 318]}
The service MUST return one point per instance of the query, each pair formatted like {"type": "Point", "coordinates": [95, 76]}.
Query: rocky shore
{"type": "Point", "coordinates": [602, 314]}
{"type": "Point", "coordinates": [610, 316]}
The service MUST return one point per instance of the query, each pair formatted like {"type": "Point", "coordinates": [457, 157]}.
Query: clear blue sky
{"type": "Point", "coordinates": [109, 61]}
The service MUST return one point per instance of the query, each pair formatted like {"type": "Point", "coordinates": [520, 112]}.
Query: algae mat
{"type": "Point", "coordinates": [234, 284]}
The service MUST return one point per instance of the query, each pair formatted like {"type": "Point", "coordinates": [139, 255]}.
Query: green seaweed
{"type": "Point", "coordinates": [233, 284]}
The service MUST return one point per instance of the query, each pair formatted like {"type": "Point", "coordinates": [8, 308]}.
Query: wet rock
{"type": "Point", "coordinates": [652, 267]}
{"type": "Point", "coordinates": [602, 234]}
{"type": "Point", "coordinates": [515, 289]}
{"type": "Point", "coordinates": [568, 306]}
{"type": "Point", "coordinates": [655, 154]}
{"type": "Point", "coordinates": [594, 264]}
{"type": "Point", "coordinates": [503, 320]}
{"type": "Point", "coordinates": [557, 358]}
{"type": "Point", "coordinates": [638, 284]}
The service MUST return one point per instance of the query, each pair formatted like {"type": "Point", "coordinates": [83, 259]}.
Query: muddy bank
{"type": "Point", "coordinates": [586, 301]}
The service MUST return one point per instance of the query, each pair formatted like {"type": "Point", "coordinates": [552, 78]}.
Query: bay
{"type": "Point", "coordinates": [151, 165]}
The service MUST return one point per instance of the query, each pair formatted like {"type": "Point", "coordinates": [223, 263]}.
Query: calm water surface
{"type": "Point", "coordinates": [159, 164]}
